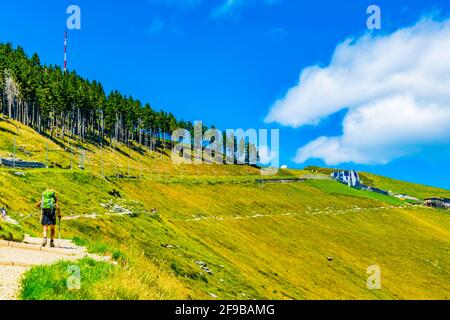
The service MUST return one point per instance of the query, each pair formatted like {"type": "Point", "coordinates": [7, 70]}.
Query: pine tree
{"type": "Point", "coordinates": [64, 103]}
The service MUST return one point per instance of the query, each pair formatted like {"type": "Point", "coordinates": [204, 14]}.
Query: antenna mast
{"type": "Point", "coordinates": [65, 51]}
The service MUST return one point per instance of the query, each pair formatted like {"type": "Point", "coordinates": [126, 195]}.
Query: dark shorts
{"type": "Point", "coordinates": [48, 217]}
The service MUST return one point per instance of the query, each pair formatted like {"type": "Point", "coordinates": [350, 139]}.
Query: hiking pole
{"type": "Point", "coordinates": [59, 228]}
{"type": "Point", "coordinates": [30, 215]}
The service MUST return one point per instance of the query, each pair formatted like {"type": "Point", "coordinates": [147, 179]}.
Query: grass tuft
{"type": "Point", "coordinates": [53, 282]}
{"type": "Point", "coordinates": [11, 232]}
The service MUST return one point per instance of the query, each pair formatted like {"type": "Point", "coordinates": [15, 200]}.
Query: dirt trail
{"type": "Point", "coordinates": [17, 258]}
{"type": "Point", "coordinates": [308, 212]}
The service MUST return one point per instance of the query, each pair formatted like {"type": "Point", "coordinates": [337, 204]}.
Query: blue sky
{"type": "Point", "coordinates": [227, 63]}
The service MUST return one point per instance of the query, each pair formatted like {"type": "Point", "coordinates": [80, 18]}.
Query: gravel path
{"type": "Point", "coordinates": [17, 258]}
{"type": "Point", "coordinates": [9, 281]}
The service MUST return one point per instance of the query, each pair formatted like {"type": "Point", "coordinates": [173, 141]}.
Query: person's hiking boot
{"type": "Point", "coordinates": [44, 242]}
{"type": "Point", "coordinates": [52, 244]}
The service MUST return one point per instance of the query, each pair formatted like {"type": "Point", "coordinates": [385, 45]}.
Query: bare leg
{"type": "Point", "coordinates": [52, 233]}
{"type": "Point", "coordinates": [52, 236]}
{"type": "Point", "coordinates": [44, 233]}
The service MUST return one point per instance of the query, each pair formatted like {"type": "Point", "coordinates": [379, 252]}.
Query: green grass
{"type": "Point", "coordinates": [389, 184]}
{"type": "Point", "coordinates": [412, 189]}
{"type": "Point", "coordinates": [55, 282]}
{"type": "Point", "coordinates": [268, 241]}
{"type": "Point", "coordinates": [334, 187]}
{"type": "Point", "coordinates": [11, 232]}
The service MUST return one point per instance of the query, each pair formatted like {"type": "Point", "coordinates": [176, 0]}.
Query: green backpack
{"type": "Point", "coordinates": [48, 200]}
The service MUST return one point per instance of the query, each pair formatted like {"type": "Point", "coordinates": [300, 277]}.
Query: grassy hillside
{"type": "Point", "coordinates": [417, 190]}
{"type": "Point", "coordinates": [309, 240]}
{"type": "Point", "coordinates": [396, 186]}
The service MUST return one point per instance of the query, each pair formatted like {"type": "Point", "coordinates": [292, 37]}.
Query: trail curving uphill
{"type": "Point", "coordinates": [17, 258]}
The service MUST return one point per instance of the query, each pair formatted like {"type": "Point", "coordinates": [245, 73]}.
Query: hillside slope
{"type": "Point", "coordinates": [209, 231]}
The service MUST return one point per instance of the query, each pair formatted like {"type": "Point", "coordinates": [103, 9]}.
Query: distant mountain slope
{"type": "Point", "coordinates": [211, 231]}
{"type": "Point", "coordinates": [413, 189]}
{"type": "Point", "coordinates": [389, 184]}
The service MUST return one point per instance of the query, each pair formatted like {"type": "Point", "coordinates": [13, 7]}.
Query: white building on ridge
{"type": "Point", "coordinates": [349, 177]}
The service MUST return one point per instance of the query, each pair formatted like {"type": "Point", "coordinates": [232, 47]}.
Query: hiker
{"type": "Point", "coordinates": [50, 210]}
{"type": "Point", "coordinates": [3, 213]}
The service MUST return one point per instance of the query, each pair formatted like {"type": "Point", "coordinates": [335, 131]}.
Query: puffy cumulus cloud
{"type": "Point", "coordinates": [377, 133]}
{"type": "Point", "coordinates": [396, 89]}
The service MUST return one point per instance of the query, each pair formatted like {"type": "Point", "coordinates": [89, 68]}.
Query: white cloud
{"type": "Point", "coordinates": [396, 88]}
{"type": "Point", "coordinates": [382, 131]}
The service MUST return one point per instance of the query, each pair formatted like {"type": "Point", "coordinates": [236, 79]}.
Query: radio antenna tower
{"type": "Point", "coordinates": [65, 51]}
